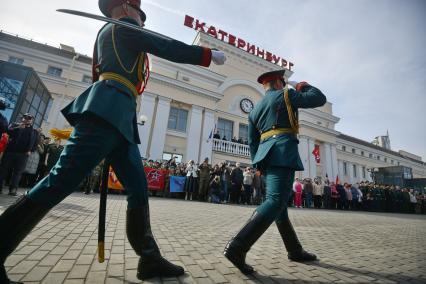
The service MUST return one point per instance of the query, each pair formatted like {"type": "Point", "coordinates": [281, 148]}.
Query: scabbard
{"type": "Point", "coordinates": [102, 211]}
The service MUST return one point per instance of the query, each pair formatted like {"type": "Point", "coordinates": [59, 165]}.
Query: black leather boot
{"type": "Point", "coordinates": [237, 248]}
{"type": "Point", "coordinates": [151, 263]}
{"type": "Point", "coordinates": [13, 191]}
{"type": "Point", "coordinates": [292, 244]}
{"type": "Point", "coordinates": [15, 224]}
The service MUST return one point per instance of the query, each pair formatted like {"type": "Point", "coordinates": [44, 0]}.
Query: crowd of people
{"type": "Point", "coordinates": [26, 154]}
{"type": "Point", "coordinates": [233, 139]}
{"type": "Point", "coordinates": [226, 183]}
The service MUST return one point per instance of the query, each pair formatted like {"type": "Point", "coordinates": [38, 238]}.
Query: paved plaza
{"type": "Point", "coordinates": [353, 247]}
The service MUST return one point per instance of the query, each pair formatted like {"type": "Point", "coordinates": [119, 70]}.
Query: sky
{"type": "Point", "coordinates": [368, 57]}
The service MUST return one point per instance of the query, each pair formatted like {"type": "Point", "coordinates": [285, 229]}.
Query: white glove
{"type": "Point", "coordinates": [218, 57]}
{"type": "Point", "coordinates": [293, 83]}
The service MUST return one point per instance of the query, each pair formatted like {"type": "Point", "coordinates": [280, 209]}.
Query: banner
{"type": "Point", "coordinates": [113, 182]}
{"type": "Point", "coordinates": [156, 178]}
{"type": "Point", "coordinates": [177, 184]}
{"type": "Point", "coordinates": [316, 153]}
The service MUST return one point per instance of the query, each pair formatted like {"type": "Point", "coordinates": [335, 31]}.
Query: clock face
{"type": "Point", "coordinates": [246, 105]}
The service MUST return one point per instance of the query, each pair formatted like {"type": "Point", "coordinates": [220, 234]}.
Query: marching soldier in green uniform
{"type": "Point", "coordinates": [273, 129]}
{"type": "Point", "coordinates": [104, 120]}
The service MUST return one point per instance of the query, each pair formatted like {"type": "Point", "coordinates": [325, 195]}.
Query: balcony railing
{"type": "Point", "coordinates": [231, 148]}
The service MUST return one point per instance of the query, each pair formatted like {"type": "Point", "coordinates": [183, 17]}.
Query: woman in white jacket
{"type": "Point", "coordinates": [191, 182]}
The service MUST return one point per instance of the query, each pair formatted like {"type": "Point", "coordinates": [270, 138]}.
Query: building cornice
{"type": "Point", "coordinates": [212, 42]}
{"type": "Point", "coordinates": [167, 81]}
{"type": "Point", "coordinates": [53, 59]}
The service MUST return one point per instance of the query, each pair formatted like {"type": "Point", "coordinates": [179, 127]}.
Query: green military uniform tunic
{"type": "Point", "coordinates": [104, 115]}
{"type": "Point", "coordinates": [278, 155]}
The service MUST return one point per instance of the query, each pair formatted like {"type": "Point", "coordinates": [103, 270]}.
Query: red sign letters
{"type": "Point", "coordinates": [237, 42]}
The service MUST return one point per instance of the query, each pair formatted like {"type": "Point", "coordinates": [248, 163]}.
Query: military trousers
{"type": "Point", "coordinates": [279, 183]}
{"type": "Point", "coordinates": [92, 140]}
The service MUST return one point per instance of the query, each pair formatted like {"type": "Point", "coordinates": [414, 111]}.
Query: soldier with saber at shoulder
{"type": "Point", "coordinates": [272, 132]}
{"type": "Point", "coordinates": [104, 121]}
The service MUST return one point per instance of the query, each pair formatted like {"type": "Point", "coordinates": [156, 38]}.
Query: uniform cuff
{"type": "Point", "coordinates": [206, 57]}
{"type": "Point", "coordinates": [301, 85]}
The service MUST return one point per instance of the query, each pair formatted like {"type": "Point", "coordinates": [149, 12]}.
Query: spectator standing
{"type": "Point", "coordinates": [354, 192]}
{"type": "Point", "coordinates": [327, 195]}
{"type": "Point", "coordinates": [308, 190]}
{"type": "Point", "coordinates": [335, 197]}
{"type": "Point", "coordinates": [237, 183]}
{"type": "Point", "coordinates": [257, 188]}
{"type": "Point", "coordinates": [342, 196]}
{"type": "Point", "coordinates": [23, 141]}
{"type": "Point", "coordinates": [348, 201]}
{"type": "Point", "coordinates": [42, 166]}
{"type": "Point", "coordinates": [191, 179]}
{"type": "Point", "coordinates": [4, 137]}
{"type": "Point", "coordinates": [53, 153]}
{"type": "Point", "coordinates": [215, 191]}
{"type": "Point", "coordinates": [30, 171]}
{"type": "Point", "coordinates": [225, 179]}
{"type": "Point", "coordinates": [247, 183]}
{"type": "Point", "coordinates": [318, 191]}
{"type": "Point", "coordinates": [297, 189]}
{"type": "Point", "coordinates": [205, 170]}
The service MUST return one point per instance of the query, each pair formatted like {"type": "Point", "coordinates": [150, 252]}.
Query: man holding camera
{"type": "Point", "coordinates": [22, 141]}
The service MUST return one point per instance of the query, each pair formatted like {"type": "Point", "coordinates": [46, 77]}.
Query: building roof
{"type": "Point", "coordinates": [371, 145]}
{"type": "Point", "coordinates": [15, 39]}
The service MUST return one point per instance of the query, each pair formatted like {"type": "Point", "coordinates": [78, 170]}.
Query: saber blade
{"type": "Point", "coordinates": [113, 21]}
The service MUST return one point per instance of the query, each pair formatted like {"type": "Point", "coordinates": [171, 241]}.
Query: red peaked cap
{"type": "Point", "coordinates": [270, 76]}
{"type": "Point", "coordinates": [106, 6]}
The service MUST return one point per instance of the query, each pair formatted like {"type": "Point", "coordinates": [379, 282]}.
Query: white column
{"type": "Point", "coordinates": [303, 152]}
{"type": "Point", "coordinates": [341, 172]}
{"type": "Point", "coordinates": [194, 133]}
{"type": "Point", "coordinates": [312, 162]}
{"type": "Point", "coordinates": [328, 161]}
{"type": "Point", "coordinates": [160, 129]}
{"type": "Point", "coordinates": [208, 126]}
{"type": "Point", "coordinates": [334, 161]}
{"type": "Point", "coordinates": [360, 177]}
{"type": "Point", "coordinates": [351, 172]}
{"type": "Point", "coordinates": [147, 109]}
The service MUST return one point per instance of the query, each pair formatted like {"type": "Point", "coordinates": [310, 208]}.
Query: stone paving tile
{"type": "Point", "coordinates": [353, 247]}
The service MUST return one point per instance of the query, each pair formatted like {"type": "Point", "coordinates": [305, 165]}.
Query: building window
{"type": "Point", "coordinates": [392, 162]}
{"type": "Point", "coordinates": [386, 159]}
{"type": "Point", "coordinates": [49, 106]}
{"type": "Point", "coordinates": [169, 156]}
{"type": "Point", "coordinates": [362, 153]}
{"type": "Point", "coordinates": [178, 119]}
{"type": "Point", "coordinates": [378, 157]}
{"type": "Point", "coordinates": [354, 169]}
{"type": "Point", "coordinates": [343, 148]}
{"type": "Point", "coordinates": [226, 128]}
{"type": "Point", "coordinates": [399, 163]}
{"type": "Point", "coordinates": [87, 79]}
{"type": "Point", "coordinates": [353, 150]}
{"type": "Point", "coordinates": [54, 71]}
{"type": "Point", "coordinates": [363, 172]}
{"type": "Point", "coordinates": [370, 156]}
{"type": "Point", "coordinates": [345, 168]}
{"type": "Point", "coordinates": [16, 60]}
{"type": "Point", "coordinates": [243, 133]}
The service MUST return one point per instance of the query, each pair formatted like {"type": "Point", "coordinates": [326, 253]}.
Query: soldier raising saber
{"type": "Point", "coordinates": [104, 120]}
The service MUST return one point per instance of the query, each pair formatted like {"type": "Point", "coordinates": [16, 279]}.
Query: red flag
{"type": "Point", "coordinates": [316, 153]}
{"type": "Point", "coordinates": [156, 178]}
{"type": "Point", "coordinates": [337, 179]}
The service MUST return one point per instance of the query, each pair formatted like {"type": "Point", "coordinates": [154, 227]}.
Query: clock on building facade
{"type": "Point", "coordinates": [246, 105]}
